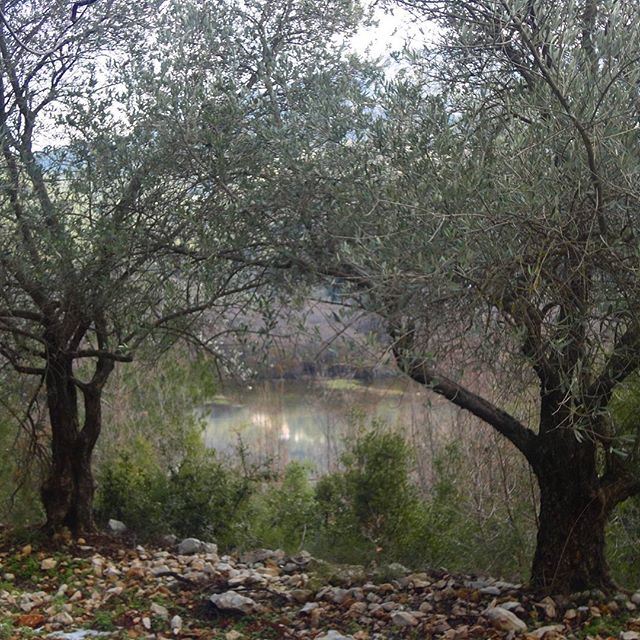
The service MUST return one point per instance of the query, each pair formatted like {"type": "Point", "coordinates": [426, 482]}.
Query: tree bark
{"type": "Point", "coordinates": [570, 549]}
{"type": "Point", "coordinates": [67, 493]}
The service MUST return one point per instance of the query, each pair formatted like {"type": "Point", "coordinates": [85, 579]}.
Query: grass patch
{"type": "Point", "coordinates": [608, 626]}
{"type": "Point", "coordinates": [6, 630]}
{"type": "Point", "coordinates": [24, 568]}
{"type": "Point", "coordinates": [103, 621]}
{"type": "Point", "coordinates": [342, 384]}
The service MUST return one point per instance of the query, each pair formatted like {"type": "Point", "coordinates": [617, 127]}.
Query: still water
{"type": "Point", "coordinates": [309, 420]}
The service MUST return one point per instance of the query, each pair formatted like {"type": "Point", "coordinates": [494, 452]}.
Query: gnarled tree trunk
{"type": "Point", "coordinates": [67, 493]}
{"type": "Point", "coordinates": [577, 494]}
{"type": "Point", "coordinates": [570, 548]}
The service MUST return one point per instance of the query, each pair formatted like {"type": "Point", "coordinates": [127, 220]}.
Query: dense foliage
{"type": "Point", "coordinates": [172, 169]}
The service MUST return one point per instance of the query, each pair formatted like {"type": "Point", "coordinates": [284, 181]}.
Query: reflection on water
{"type": "Point", "coordinates": [285, 420]}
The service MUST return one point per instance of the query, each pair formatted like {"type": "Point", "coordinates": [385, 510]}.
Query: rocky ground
{"type": "Point", "coordinates": [106, 588]}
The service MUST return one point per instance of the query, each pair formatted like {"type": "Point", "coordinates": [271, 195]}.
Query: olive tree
{"type": "Point", "coordinates": [135, 138]}
{"type": "Point", "coordinates": [489, 213]}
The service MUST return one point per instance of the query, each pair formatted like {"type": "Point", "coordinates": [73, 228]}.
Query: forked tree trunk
{"type": "Point", "coordinates": [67, 493]}
{"type": "Point", "coordinates": [570, 549]}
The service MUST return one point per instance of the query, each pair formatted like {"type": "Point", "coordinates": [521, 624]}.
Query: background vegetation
{"type": "Point", "coordinates": [154, 475]}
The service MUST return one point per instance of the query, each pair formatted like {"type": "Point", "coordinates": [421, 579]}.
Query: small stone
{"type": "Point", "coordinates": [309, 607]}
{"type": "Point", "coordinates": [262, 555]}
{"type": "Point", "coordinates": [332, 634]}
{"type": "Point", "coordinates": [472, 584]}
{"type": "Point", "coordinates": [169, 540]}
{"type": "Point", "coordinates": [48, 563]}
{"type": "Point", "coordinates": [232, 601]}
{"type": "Point", "coordinates": [302, 595]}
{"type": "Point", "coordinates": [146, 623]}
{"type": "Point", "coordinates": [97, 563]}
{"type": "Point", "coordinates": [159, 611]}
{"type": "Point", "coordinates": [613, 607]}
{"type": "Point", "coordinates": [550, 632]}
{"type": "Point", "coordinates": [210, 548]}
{"type": "Point", "coordinates": [233, 635]}
{"type": "Point", "coordinates": [115, 591]}
{"type": "Point", "coordinates": [338, 595]}
{"type": "Point", "coordinates": [161, 568]}
{"type": "Point", "coordinates": [27, 605]}
{"type": "Point", "coordinates": [112, 572]}
{"type": "Point", "coordinates": [237, 580]}
{"type": "Point", "coordinates": [8, 577]}
{"type": "Point", "coordinates": [629, 635]}
{"type": "Point", "coordinates": [404, 619]}
{"type": "Point", "coordinates": [116, 526]}
{"type": "Point", "coordinates": [176, 624]}
{"type": "Point", "coordinates": [635, 598]}
{"type": "Point", "coordinates": [504, 620]}
{"type": "Point", "coordinates": [189, 546]}
{"type": "Point", "coordinates": [357, 609]}
{"type": "Point", "coordinates": [548, 606]}
{"type": "Point", "coordinates": [62, 618]}
{"type": "Point", "coordinates": [31, 620]}
{"type": "Point", "coordinates": [507, 586]}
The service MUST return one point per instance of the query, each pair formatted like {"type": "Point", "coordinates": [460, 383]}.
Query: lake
{"type": "Point", "coordinates": [309, 420]}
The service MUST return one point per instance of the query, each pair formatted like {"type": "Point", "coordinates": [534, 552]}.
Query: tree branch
{"type": "Point", "coordinates": [522, 437]}
{"type": "Point", "coordinates": [99, 353]}
{"type": "Point", "coordinates": [624, 360]}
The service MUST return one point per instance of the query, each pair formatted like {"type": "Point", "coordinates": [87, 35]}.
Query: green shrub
{"type": "Point", "coordinates": [623, 543]}
{"type": "Point", "coordinates": [154, 473]}
{"type": "Point", "coordinates": [207, 499]}
{"type": "Point", "coordinates": [371, 509]}
{"type": "Point", "coordinates": [200, 497]}
{"type": "Point", "coordinates": [284, 514]}
{"type": "Point", "coordinates": [133, 488]}
{"type": "Point", "coordinates": [623, 532]}
{"type": "Point", "coordinates": [456, 534]}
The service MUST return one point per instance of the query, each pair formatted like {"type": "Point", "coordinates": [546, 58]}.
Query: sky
{"type": "Point", "coordinates": [392, 32]}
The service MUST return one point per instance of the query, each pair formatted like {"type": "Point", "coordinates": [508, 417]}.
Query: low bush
{"type": "Point", "coordinates": [462, 535]}
{"type": "Point", "coordinates": [154, 473]}
{"type": "Point", "coordinates": [284, 513]}
{"type": "Point", "coordinates": [133, 488]}
{"type": "Point", "coordinates": [371, 510]}
{"type": "Point", "coordinates": [207, 498]}
{"type": "Point", "coordinates": [199, 497]}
